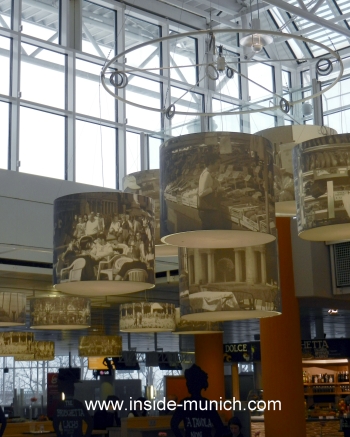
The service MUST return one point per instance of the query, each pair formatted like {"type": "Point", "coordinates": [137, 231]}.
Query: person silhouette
{"type": "Point", "coordinates": [196, 412]}
{"type": "Point", "coordinates": [70, 414]}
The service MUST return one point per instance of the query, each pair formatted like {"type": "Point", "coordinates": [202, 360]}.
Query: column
{"type": "Point", "coordinates": [263, 265]}
{"type": "Point", "coordinates": [209, 356]}
{"type": "Point", "coordinates": [190, 269]}
{"type": "Point", "coordinates": [235, 381]}
{"type": "Point", "coordinates": [250, 265]}
{"type": "Point", "coordinates": [281, 351]}
{"type": "Point", "coordinates": [211, 267]}
{"type": "Point", "coordinates": [197, 266]}
{"type": "Point", "coordinates": [238, 265]}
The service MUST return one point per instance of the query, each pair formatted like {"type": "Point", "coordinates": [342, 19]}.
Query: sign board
{"type": "Point", "coordinates": [335, 348]}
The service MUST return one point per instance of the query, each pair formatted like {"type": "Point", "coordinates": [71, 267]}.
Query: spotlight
{"type": "Point", "coordinates": [332, 312]}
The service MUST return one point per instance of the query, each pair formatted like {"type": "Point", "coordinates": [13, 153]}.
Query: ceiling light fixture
{"type": "Point", "coordinates": [12, 309]}
{"type": "Point", "coordinates": [146, 317]}
{"type": "Point", "coordinates": [146, 183]}
{"type": "Point", "coordinates": [332, 312]}
{"type": "Point", "coordinates": [218, 285]}
{"type": "Point", "coordinates": [89, 260]}
{"type": "Point", "coordinates": [322, 181]}
{"type": "Point", "coordinates": [235, 208]}
{"type": "Point", "coordinates": [60, 313]}
{"type": "Point", "coordinates": [256, 41]}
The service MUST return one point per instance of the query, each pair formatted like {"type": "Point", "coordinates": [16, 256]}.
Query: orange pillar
{"type": "Point", "coordinates": [281, 351]}
{"type": "Point", "coordinates": [209, 356]}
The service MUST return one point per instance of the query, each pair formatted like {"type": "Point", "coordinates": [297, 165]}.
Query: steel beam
{"type": "Point", "coordinates": [313, 18]}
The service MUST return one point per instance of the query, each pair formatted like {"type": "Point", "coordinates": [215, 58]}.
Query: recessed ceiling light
{"type": "Point", "coordinates": [332, 312]}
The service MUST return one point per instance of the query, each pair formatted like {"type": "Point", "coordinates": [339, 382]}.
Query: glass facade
{"type": "Point", "coordinates": [51, 80]}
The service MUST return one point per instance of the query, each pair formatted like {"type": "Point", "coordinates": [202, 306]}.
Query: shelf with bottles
{"type": "Point", "coordinates": [324, 376]}
{"type": "Point", "coordinates": [326, 389]}
{"type": "Point", "coordinates": [325, 383]}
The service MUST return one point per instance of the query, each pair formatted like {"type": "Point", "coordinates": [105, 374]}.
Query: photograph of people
{"type": "Point", "coordinates": [121, 232]}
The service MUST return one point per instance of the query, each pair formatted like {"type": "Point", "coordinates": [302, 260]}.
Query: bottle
{"type": "Point", "coordinates": [330, 379]}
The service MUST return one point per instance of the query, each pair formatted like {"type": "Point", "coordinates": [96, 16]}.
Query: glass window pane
{"type": "Point", "coordinates": [4, 134]}
{"type": "Point", "coordinates": [133, 157]}
{"type": "Point", "coordinates": [139, 31]}
{"type": "Point", "coordinates": [5, 13]}
{"type": "Point", "coordinates": [337, 96]}
{"type": "Point", "coordinates": [92, 99]}
{"type": "Point", "coordinates": [286, 79]}
{"type": "Point", "coordinates": [260, 121]}
{"type": "Point", "coordinates": [305, 77]}
{"type": "Point", "coordinates": [98, 30]}
{"type": "Point", "coordinates": [43, 76]}
{"type": "Point", "coordinates": [226, 123]}
{"type": "Point", "coordinates": [145, 92]}
{"type": "Point", "coordinates": [5, 46]}
{"type": "Point", "coordinates": [262, 74]}
{"type": "Point", "coordinates": [226, 86]}
{"type": "Point", "coordinates": [95, 154]}
{"type": "Point", "coordinates": [185, 101]}
{"type": "Point", "coordinates": [42, 143]}
{"type": "Point", "coordinates": [338, 121]}
{"type": "Point", "coordinates": [153, 152]}
{"type": "Point", "coordinates": [40, 18]}
{"type": "Point", "coordinates": [183, 52]}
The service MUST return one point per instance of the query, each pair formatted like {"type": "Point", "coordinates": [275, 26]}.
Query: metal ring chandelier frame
{"type": "Point", "coordinates": [216, 31]}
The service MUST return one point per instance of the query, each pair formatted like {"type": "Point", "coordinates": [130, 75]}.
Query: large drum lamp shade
{"type": "Point", "coordinates": [217, 190]}
{"type": "Point", "coordinates": [146, 317]}
{"type": "Point", "coordinates": [100, 346]}
{"type": "Point", "coordinates": [96, 248]}
{"type": "Point", "coordinates": [60, 312]}
{"type": "Point", "coordinates": [322, 188]}
{"type": "Point", "coordinates": [147, 183]}
{"type": "Point", "coordinates": [284, 139]}
{"type": "Point", "coordinates": [229, 284]}
{"type": "Point", "coordinates": [12, 309]}
{"type": "Point", "coordinates": [185, 327]}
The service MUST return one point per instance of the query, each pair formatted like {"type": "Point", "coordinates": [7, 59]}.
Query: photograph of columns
{"type": "Point", "coordinates": [186, 327]}
{"type": "Point", "coordinates": [322, 188]}
{"type": "Point", "coordinates": [229, 284]}
{"type": "Point", "coordinates": [217, 190]}
{"type": "Point", "coordinates": [100, 346]}
{"type": "Point", "coordinates": [146, 183]}
{"type": "Point", "coordinates": [12, 309]}
{"type": "Point", "coordinates": [146, 317]}
{"type": "Point", "coordinates": [13, 343]}
{"type": "Point", "coordinates": [38, 351]}
{"type": "Point", "coordinates": [284, 139]}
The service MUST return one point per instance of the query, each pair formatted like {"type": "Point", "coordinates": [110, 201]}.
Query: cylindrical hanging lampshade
{"type": "Point", "coordinates": [60, 312]}
{"type": "Point", "coordinates": [12, 309]}
{"type": "Point", "coordinates": [217, 190]}
{"type": "Point", "coordinates": [284, 139]}
{"type": "Point", "coordinates": [87, 262]}
{"type": "Point", "coordinates": [146, 317]}
{"type": "Point", "coordinates": [100, 346]}
{"type": "Point", "coordinates": [229, 284]}
{"type": "Point", "coordinates": [38, 351]}
{"type": "Point", "coordinates": [322, 188]}
{"type": "Point", "coordinates": [13, 343]}
{"type": "Point", "coordinates": [185, 327]}
{"type": "Point", "coordinates": [147, 183]}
